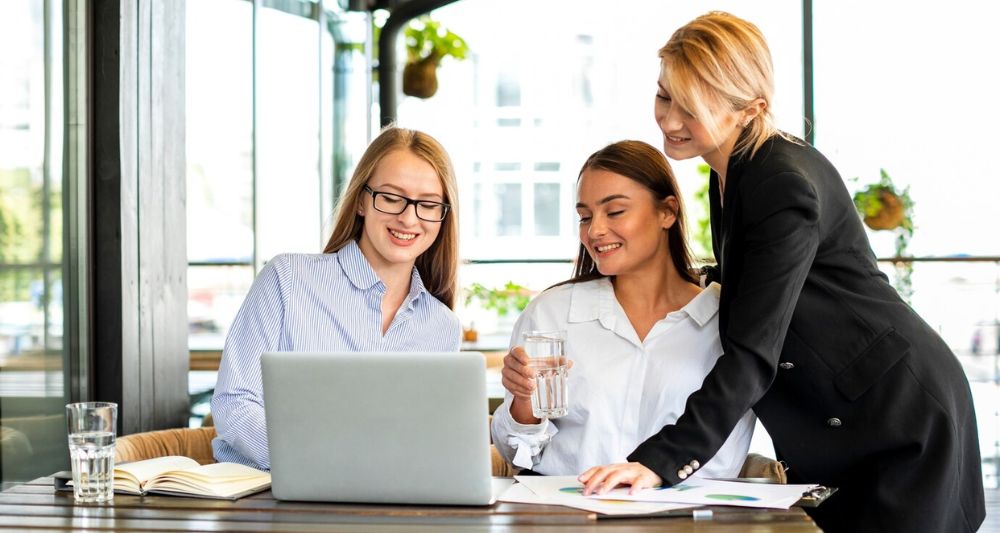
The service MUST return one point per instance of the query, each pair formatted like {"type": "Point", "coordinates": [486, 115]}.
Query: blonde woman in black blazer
{"type": "Point", "coordinates": [856, 391]}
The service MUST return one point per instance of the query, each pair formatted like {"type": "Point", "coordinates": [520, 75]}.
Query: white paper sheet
{"type": "Point", "coordinates": [717, 492]}
{"type": "Point", "coordinates": [565, 490]}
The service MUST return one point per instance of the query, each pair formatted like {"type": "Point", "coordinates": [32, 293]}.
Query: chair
{"type": "Point", "coordinates": [758, 466]}
{"type": "Point", "coordinates": [195, 443]}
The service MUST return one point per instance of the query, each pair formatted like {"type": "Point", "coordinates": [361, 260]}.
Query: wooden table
{"type": "Point", "coordinates": [36, 506]}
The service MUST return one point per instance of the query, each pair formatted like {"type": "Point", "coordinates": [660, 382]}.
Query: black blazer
{"type": "Point", "coordinates": [856, 391]}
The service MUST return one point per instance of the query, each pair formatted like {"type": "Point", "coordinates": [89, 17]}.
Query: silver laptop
{"type": "Point", "coordinates": [379, 427]}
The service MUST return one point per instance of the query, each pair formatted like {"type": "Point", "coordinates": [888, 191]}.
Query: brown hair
{"type": "Point", "coordinates": [648, 167]}
{"type": "Point", "coordinates": [721, 62]}
{"type": "Point", "coordinates": [438, 265]}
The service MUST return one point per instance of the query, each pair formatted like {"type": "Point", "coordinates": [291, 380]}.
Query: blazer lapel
{"type": "Point", "coordinates": [716, 214]}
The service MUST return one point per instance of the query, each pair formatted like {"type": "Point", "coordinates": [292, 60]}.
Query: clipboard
{"type": "Point", "coordinates": [809, 499]}
{"type": "Point", "coordinates": [815, 497]}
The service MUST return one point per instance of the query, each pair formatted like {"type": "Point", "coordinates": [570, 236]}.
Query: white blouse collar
{"type": "Point", "coordinates": [595, 300]}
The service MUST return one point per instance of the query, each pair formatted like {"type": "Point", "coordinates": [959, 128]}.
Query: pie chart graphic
{"type": "Point", "coordinates": [732, 497]}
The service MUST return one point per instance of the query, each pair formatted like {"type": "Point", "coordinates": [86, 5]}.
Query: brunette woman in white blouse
{"type": "Point", "coordinates": [640, 332]}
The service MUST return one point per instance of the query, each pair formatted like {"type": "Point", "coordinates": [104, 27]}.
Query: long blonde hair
{"type": "Point", "coordinates": [720, 61]}
{"type": "Point", "coordinates": [438, 266]}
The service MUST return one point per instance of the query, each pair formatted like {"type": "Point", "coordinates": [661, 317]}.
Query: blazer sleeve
{"type": "Point", "coordinates": [780, 239]}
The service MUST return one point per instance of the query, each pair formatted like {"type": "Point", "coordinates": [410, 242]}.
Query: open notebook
{"type": "Point", "coordinates": [183, 476]}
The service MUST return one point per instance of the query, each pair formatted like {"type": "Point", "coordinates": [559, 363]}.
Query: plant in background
{"type": "Point", "coordinates": [501, 300]}
{"type": "Point", "coordinates": [886, 208]}
{"type": "Point", "coordinates": [427, 43]}
{"type": "Point", "coordinates": [701, 231]}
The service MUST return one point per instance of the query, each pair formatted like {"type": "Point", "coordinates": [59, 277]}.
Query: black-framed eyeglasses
{"type": "Point", "coordinates": [394, 204]}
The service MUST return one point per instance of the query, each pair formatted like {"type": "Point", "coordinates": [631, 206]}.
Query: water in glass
{"type": "Point", "coordinates": [546, 357]}
{"type": "Point", "coordinates": [91, 430]}
{"type": "Point", "coordinates": [93, 456]}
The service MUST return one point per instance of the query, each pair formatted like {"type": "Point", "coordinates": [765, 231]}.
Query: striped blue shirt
{"type": "Point", "coordinates": [313, 302]}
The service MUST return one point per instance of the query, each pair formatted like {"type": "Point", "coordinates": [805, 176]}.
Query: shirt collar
{"type": "Point", "coordinates": [416, 287]}
{"type": "Point", "coordinates": [356, 266]}
{"type": "Point", "coordinates": [596, 301]}
{"type": "Point", "coordinates": [357, 269]}
{"type": "Point", "coordinates": [703, 307]}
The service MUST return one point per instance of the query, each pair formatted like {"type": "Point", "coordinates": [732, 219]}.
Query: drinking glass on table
{"type": "Point", "coordinates": [92, 449]}
{"type": "Point", "coordinates": [547, 359]}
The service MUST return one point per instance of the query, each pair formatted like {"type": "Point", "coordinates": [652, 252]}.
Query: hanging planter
{"type": "Point", "coordinates": [884, 208]}
{"type": "Point", "coordinates": [420, 77]}
{"type": "Point", "coordinates": [427, 43]}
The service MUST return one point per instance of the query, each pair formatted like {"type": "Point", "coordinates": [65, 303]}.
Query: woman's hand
{"type": "Point", "coordinates": [601, 479]}
{"type": "Point", "coordinates": [517, 376]}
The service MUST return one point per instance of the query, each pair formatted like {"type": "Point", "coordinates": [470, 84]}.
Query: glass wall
{"type": "Point", "coordinates": [32, 376]}
{"type": "Point", "coordinates": [546, 85]}
{"type": "Point", "coordinates": [919, 104]}
{"type": "Point", "coordinates": [219, 99]}
{"type": "Point", "coordinates": [276, 115]}
{"type": "Point", "coordinates": [897, 88]}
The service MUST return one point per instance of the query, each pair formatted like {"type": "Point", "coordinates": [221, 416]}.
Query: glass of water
{"type": "Point", "coordinates": [92, 449]}
{"type": "Point", "coordinates": [547, 358]}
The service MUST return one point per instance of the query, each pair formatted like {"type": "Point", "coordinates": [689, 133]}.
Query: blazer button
{"type": "Point", "coordinates": [695, 464]}
{"type": "Point", "coordinates": [688, 470]}
{"type": "Point", "coordinates": [834, 422]}
{"type": "Point", "coordinates": [682, 474]}
{"type": "Point", "coordinates": [786, 365]}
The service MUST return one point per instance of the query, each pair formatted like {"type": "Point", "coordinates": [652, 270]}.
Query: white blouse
{"type": "Point", "coordinates": [621, 391]}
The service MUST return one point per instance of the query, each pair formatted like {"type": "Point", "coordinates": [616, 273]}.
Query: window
{"type": "Point", "coordinates": [276, 116]}
{"type": "Point", "coordinates": [33, 380]}
{"type": "Point", "coordinates": [922, 110]}
{"type": "Point", "coordinates": [521, 115]}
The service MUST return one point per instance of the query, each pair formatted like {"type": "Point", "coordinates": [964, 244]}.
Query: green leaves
{"type": "Point", "coordinates": [501, 300]}
{"type": "Point", "coordinates": [426, 37]}
{"type": "Point", "coordinates": [883, 207]}
{"type": "Point", "coordinates": [882, 199]}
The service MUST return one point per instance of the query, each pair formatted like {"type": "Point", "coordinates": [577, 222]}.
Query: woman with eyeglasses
{"type": "Point", "coordinates": [386, 281]}
{"type": "Point", "coordinates": [855, 390]}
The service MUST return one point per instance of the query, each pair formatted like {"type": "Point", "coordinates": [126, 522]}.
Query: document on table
{"type": "Point", "coordinates": [717, 492]}
{"type": "Point", "coordinates": [567, 491]}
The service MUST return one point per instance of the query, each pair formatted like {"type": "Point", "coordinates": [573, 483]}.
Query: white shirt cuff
{"type": "Point", "coordinates": [527, 440]}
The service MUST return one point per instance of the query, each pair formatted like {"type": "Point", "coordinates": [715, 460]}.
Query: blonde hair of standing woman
{"type": "Point", "coordinates": [721, 63]}
{"type": "Point", "coordinates": [438, 266]}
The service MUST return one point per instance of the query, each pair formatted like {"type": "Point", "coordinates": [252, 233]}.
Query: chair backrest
{"type": "Point", "coordinates": [758, 466]}
{"type": "Point", "coordinates": [195, 443]}
{"type": "Point", "coordinates": [500, 467]}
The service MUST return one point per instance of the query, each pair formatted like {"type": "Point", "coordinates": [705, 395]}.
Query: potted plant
{"type": "Point", "coordinates": [506, 302]}
{"type": "Point", "coordinates": [501, 300]}
{"type": "Point", "coordinates": [886, 208]}
{"type": "Point", "coordinates": [427, 43]}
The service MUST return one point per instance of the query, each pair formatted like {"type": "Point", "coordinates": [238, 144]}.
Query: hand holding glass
{"type": "Point", "coordinates": [547, 359]}
{"type": "Point", "coordinates": [92, 449]}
